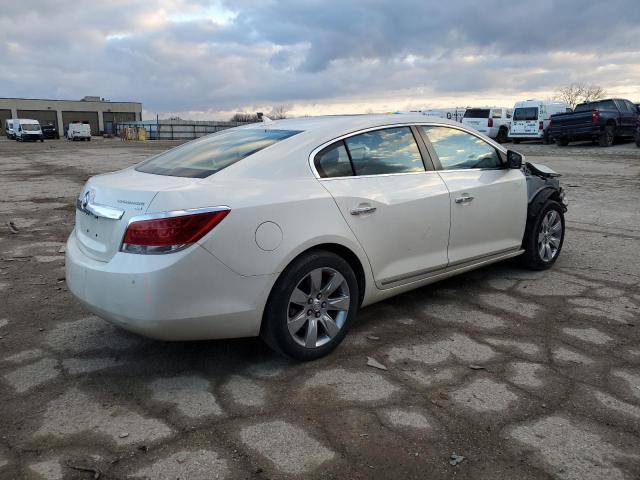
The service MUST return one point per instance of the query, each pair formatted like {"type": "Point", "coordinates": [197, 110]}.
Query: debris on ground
{"type": "Point", "coordinates": [456, 459]}
{"type": "Point", "coordinates": [95, 471]}
{"type": "Point", "coordinates": [12, 227]}
{"type": "Point", "coordinates": [373, 337]}
{"type": "Point", "coordinates": [123, 435]}
{"type": "Point", "coordinates": [372, 362]}
{"type": "Point", "coordinates": [477, 367]}
{"type": "Point", "coordinates": [62, 249]}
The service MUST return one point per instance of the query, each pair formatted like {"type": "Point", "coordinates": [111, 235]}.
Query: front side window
{"type": "Point", "coordinates": [392, 150]}
{"type": "Point", "coordinates": [208, 155]}
{"type": "Point", "coordinates": [461, 150]}
{"type": "Point", "coordinates": [334, 161]}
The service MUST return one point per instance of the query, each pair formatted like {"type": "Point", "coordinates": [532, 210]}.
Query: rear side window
{"type": "Point", "coordinates": [603, 105]}
{"type": "Point", "coordinates": [525, 113]}
{"type": "Point", "coordinates": [392, 150]}
{"type": "Point", "coordinates": [477, 113]}
{"type": "Point", "coordinates": [461, 150]}
{"type": "Point", "coordinates": [496, 114]}
{"type": "Point", "coordinates": [333, 161]}
{"type": "Point", "coordinates": [208, 155]}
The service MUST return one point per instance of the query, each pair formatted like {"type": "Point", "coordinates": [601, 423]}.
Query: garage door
{"type": "Point", "coordinates": [80, 117]}
{"type": "Point", "coordinates": [44, 117]}
{"type": "Point", "coordinates": [4, 115]}
{"type": "Point", "coordinates": [113, 118]}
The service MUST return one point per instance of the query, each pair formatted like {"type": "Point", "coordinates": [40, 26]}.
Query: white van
{"type": "Point", "coordinates": [494, 122]}
{"type": "Point", "coordinates": [8, 129]}
{"type": "Point", "coordinates": [79, 131]}
{"type": "Point", "coordinates": [531, 119]}
{"type": "Point", "coordinates": [26, 129]}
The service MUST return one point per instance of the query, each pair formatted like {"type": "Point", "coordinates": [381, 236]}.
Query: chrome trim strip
{"type": "Point", "coordinates": [451, 266]}
{"type": "Point", "coordinates": [176, 213]}
{"type": "Point", "coordinates": [99, 211]}
{"type": "Point", "coordinates": [432, 123]}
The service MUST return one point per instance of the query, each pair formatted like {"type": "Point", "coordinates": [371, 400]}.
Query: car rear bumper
{"type": "Point", "coordinates": [576, 132]}
{"type": "Point", "coordinates": [187, 295]}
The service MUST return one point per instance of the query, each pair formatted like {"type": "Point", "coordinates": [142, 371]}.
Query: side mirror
{"type": "Point", "coordinates": [514, 159]}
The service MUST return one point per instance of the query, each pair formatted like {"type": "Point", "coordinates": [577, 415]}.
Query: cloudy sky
{"type": "Point", "coordinates": [208, 59]}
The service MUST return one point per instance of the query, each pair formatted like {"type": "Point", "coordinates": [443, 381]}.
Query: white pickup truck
{"type": "Point", "coordinates": [79, 131]}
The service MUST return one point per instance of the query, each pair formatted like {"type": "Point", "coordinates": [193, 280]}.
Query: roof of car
{"type": "Point", "coordinates": [347, 123]}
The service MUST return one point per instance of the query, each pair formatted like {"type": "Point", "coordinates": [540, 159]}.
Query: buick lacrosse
{"type": "Point", "coordinates": [285, 229]}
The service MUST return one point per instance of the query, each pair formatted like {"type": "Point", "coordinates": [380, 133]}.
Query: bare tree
{"type": "Point", "coordinates": [278, 112]}
{"type": "Point", "coordinates": [576, 93]}
{"type": "Point", "coordinates": [244, 117]}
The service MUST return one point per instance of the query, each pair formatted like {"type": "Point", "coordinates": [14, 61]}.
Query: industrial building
{"type": "Point", "coordinates": [101, 114]}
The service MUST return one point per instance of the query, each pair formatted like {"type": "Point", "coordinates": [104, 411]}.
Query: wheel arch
{"type": "Point", "coordinates": [536, 204]}
{"type": "Point", "coordinates": [345, 253]}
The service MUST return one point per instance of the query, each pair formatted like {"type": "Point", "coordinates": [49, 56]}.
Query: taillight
{"type": "Point", "coordinates": [550, 122]}
{"type": "Point", "coordinates": [595, 116]}
{"type": "Point", "coordinates": [490, 123]}
{"type": "Point", "coordinates": [541, 126]}
{"type": "Point", "coordinates": [171, 231]}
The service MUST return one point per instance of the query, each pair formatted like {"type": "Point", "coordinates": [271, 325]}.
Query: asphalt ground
{"type": "Point", "coordinates": [520, 374]}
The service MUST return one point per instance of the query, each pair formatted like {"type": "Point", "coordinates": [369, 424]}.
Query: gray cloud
{"type": "Point", "coordinates": [207, 56]}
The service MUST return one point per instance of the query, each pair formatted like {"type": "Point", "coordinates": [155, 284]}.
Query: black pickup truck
{"type": "Point", "coordinates": [602, 121]}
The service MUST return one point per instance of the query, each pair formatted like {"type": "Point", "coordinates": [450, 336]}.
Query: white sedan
{"type": "Point", "coordinates": [285, 229]}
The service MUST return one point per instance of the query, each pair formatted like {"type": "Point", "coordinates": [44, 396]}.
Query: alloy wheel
{"type": "Point", "coordinates": [318, 307]}
{"type": "Point", "coordinates": [549, 236]}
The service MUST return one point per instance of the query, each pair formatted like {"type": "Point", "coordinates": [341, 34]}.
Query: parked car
{"type": "Point", "coordinates": [494, 122]}
{"type": "Point", "coordinates": [50, 131]}
{"type": "Point", "coordinates": [285, 229]}
{"type": "Point", "coordinates": [8, 129]}
{"type": "Point", "coordinates": [26, 130]}
{"type": "Point", "coordinates": [79, 131]}
{"type": "Point", "coordinates": [531, 119]}
{"type": "Point", "coordinates": [602, 121]}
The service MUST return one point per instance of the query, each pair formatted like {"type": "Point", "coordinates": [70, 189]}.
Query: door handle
{"type": "Point", "coordinates": [362, 210]}
{"type": "Point", "coordinates": [464, 199]}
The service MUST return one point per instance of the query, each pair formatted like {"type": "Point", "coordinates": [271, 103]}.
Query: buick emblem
{"type": "Point", "coordinates": [88, 198]}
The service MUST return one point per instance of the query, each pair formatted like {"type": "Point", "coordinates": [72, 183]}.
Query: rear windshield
{"type": "Point", "coordinates": [528, 113]}
{"type": "Point", "coordinates": [208, 155]}
{"type": "Point", "coordinates": [603, 105]}
{"type": "Point", "coordinates": [477, 113]}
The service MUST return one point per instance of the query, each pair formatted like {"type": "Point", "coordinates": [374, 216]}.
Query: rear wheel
{"type": "Point", "coordinates": [608, 136]}
{"type": "Point", "coordinates": [502, 136]}
{"type": "Point", "coordinates": [311, 306]}
{"type": "Point", "coordinates": [562, 142]}
{"type": "Point", "coordinates": [544, 237]}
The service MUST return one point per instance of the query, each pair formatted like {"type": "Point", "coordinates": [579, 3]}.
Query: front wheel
{"type": "Point", "coordinates": [311, 306]}
{"type": "Point", "coordinates": [544, 237]}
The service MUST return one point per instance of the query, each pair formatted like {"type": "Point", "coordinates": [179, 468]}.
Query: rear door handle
{"type": "Point", "coordinates": [362, 210]}
{"type": "Point", "coordinates": [464, 199]}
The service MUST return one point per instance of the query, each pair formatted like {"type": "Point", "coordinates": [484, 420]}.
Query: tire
{"type": "Point", "coordinates": [637, 139]}
{"type": "Point", "coordinates": [546, 139]}
{"type": "Point", "coordinates": [607, 137]}
{"type": "Point", "coordinates": [294, 297]}
{"type": "Point", "coordinates": [516, 141]}
{"type": "Point", "coordinates": [562, 142]}
{"type": "Point", "coordinates": [502, 136]}
{"type": "Point", "coordinates": [541, 251]}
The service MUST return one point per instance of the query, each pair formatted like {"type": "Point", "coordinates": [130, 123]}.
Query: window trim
{"type": "Point", "coordinates": [427, 162]}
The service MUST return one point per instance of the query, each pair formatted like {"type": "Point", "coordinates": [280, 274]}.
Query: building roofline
{"type": "Point", "coordinates": [63, 100]}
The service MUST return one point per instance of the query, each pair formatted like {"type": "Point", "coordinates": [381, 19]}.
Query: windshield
{"type": "Point", "coordinates": [528, 113]}
{"type": "Point", "coordinates": [477, 113]}
{"type": "Point", "coordinates": [30, 127]}
{"type": "Point", "coordinates": [602, 105]}
{"type": "Point", "coordinates": [208, 155]}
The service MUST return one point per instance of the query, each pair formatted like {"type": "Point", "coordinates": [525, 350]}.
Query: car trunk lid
{"type": "Point", "coordinates": [107, 204]}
